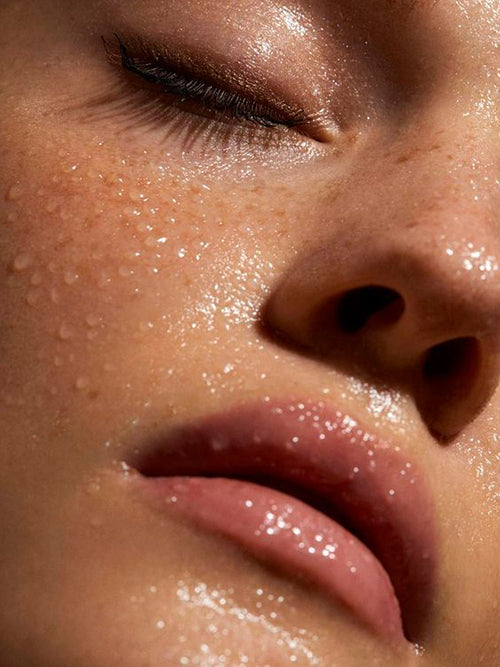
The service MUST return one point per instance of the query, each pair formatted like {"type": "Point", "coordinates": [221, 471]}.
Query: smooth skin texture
{"type": "Point", "coordinates": [159, 263]}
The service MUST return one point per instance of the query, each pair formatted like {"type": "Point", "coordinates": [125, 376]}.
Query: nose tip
{"type": "Point", "coordinates": [415, 316]}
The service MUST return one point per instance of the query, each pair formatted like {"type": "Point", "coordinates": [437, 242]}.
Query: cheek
{"type": "Point", "coordinates": [120, 275]}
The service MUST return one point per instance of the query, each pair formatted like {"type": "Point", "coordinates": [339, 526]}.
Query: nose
{"type": "Point", "coordinates": [407, 297]}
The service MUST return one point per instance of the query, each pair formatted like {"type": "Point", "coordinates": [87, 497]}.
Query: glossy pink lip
{"type": "Point", "coordinates": [305, 489]}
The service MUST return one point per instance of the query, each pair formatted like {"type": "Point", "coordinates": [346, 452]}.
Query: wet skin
{"type": "Point", "coordinates": [162, 261]}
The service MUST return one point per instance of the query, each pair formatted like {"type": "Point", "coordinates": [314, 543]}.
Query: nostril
{"type": "Point", "coordinates": [449, 386]}
{"type": "Point", "coordinates": [359, 305]}
{"type": "Point", "coordinates": [456, 359]}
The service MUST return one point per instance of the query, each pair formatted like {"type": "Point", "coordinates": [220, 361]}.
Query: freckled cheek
{"type": "Point", "coordinates": [107, 266]}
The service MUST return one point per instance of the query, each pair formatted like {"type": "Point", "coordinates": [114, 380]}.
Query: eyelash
{"type": "Point", "coordinates": [224, 103]}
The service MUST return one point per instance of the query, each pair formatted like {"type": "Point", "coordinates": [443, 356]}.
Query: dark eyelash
{"type": "Point", "coordinates": [208, 95]}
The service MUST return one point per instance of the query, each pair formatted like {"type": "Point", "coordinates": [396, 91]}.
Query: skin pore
{"type": "Point", "coordinates": [161, 260]}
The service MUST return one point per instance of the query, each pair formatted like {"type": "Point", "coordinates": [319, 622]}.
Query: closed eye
{"type": "Point", "coordinates": [210, 97]}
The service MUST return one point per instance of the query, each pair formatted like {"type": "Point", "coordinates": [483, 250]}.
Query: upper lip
{"type": "Point", "coordinates": [326, 458]}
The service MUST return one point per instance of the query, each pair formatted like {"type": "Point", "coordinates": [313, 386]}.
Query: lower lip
{"type": "Point", "coordinates": [290, 535]}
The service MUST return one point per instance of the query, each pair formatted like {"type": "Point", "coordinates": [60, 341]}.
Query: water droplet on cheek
{"type": "Point", "coordinates": [92, 320]}
{"type": "Point", "coordinates": [36, 278]}
{"type": "Point", "coordinates": [54, 295]}
{"type": "Point", "coordinates": [65, 332]}
{"type": "Point", "coordinates": [22, 261]}
{"type": "Point", "coordinates": [32, 298]}
{"type": "Point", "coordinates": [82, 382]}
{"type": "Point", "coordinates": [125, 271]}
{"type": "Point", "coordinates": [15, 192]}
{"type": "Point", "coordinates": [70, 277]}
{"type": "Point", "coordinates": [150, 242]}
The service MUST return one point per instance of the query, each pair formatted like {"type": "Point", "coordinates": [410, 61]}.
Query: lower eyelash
{"type": "Point", "coordinates": [132, 108]}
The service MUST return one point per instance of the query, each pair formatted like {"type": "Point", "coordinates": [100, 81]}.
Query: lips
{"type": "Point", "coordinates": [307, 491]}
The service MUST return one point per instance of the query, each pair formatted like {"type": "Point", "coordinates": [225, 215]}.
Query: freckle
{"type": "Point", "coordinates": [15, 192]}
{"type": "Point", "coordinates": [65, 331]}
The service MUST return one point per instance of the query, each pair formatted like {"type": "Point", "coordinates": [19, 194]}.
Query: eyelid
{"type": "Point", "coordinates": [148, 57]}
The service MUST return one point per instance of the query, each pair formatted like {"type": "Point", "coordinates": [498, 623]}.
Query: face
{"type": "Point", "coordinates": [250, 311]}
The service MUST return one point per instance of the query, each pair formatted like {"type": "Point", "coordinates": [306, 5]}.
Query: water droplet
{"type": "Point", "coordinates": [137, 195]}
{"type": "Point", "coordinates": [93, 320]}
{"type": "Point", "coordinates": [36, 278]}
{"type": "Point", "coordinates": [93, 487]}
{"type": "Point", "coordinates": [144, 227]}
{"type": "Point", "coordinates": [65, 331]}
{"type": "Point", "coordinates": [54, 295]}
{"type": "Point", "coordinates": [22, 261]}
{"type": "Point", "coordinates": [32, 298]}
{"type": "Point", "coordinates": [82, 382]}
{"type": "Point", "coordinates": [104, 279]}
{"type": "Point", "coordinates": [125, 271]}
{"type": "Point", "coordinates": [70, 277]}
{"type": "Point", "coordinates": [15, 192]}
